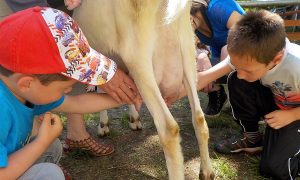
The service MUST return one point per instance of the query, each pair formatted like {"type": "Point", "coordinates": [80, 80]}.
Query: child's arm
{"type": "Point", "coordinates": [21, 160]}
{"type": "Point", "coordinates": [215, 72]}
{"type": "Point", "coordinates": [280, 118]}
{"type": "Point", "coordinates": [205, 77]}
{"type": "Point", "coordinates": [87, 103]}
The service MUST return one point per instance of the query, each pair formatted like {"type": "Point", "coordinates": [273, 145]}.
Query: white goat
{"type": "Point", "coordinates": [154, 39]}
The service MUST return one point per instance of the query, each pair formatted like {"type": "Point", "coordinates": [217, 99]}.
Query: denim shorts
{"type": "Point", "coordinates": [46, 167]}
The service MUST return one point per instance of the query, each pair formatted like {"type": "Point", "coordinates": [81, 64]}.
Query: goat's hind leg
{"type": "Point", "coordinates": [134, 119]}
{"type": "Point", "coordinates": [199, 123]}
{"type": "Point", "coordinates": [166, 126]}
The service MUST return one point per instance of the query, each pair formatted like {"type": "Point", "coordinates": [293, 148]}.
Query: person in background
{"type": "Point", "coordinates": [211, 21]}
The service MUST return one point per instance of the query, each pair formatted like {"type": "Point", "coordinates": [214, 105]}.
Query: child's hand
{"type": "Point", "coordinates": [50, 128]}
{"type": "Point", "coordinates": [72, 4]}
{"type": "Point", "coordinates": [279, 118]}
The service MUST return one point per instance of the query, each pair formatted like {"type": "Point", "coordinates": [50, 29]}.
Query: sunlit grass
{"type": "Point", "coordinates": [224, 169]}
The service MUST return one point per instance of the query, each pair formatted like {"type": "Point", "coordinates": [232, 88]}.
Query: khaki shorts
{"type": "Point", "coordinates": [4, 9]}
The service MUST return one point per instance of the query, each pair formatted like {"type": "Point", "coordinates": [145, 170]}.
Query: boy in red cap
{"type": "Point", "coordinates": [43, 53]}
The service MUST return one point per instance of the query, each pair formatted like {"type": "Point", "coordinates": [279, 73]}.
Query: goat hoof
{"type": "Point", "coordinates": [103, 131]}
{"type": "Point", "coordinates": [139, 125]}
{"type": "Point", "coordinates": [206, 176]}
{"type": "Point", "coordinates": [133, 126]}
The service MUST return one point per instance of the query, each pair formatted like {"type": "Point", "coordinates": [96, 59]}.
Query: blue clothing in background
{"type": "Point", "coordinates": [218, 13]}
{"type": "Point", "coordinates": [18, 5]}
{"type": "Point", "coordinates": [16, 122]}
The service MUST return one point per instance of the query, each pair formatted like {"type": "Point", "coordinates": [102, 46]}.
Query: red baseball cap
{"type": "Point", "coordinates": [48, 41]}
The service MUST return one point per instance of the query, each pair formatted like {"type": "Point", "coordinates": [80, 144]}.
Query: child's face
{"type": "Point", "coordinates": [43, 94]}
{"type": "Point", "coordinates": [249, 69]}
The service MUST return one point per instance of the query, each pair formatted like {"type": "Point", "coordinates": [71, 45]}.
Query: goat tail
{"type": "Point", "coordinates": [174, 9]}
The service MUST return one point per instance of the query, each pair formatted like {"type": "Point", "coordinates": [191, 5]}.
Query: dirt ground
{"type": "Point", "coordinates": [139, 156]}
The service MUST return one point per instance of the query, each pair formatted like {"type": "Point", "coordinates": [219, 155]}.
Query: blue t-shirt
{"type": "Point", "coordinates": [16, 122]}
{"type": "Point", "coordinates": [218, 13]}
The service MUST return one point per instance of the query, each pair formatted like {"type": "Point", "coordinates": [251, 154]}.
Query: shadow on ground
{"type": "Point", "coordinates": [138, 154]}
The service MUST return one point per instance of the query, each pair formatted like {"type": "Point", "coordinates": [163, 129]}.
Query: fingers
{"type": "Point", "coordinates": [115, 96]}
{"type": "Point", "coordinates": [128, 94]}
{"type": "Point", "coordinates": [46, 118]}
{"type": "Point", "coordinates": [122, 88]}
{"type": "Point", "coordinates": [268, 116]}
{"type": "Point", "coordinates": [50, 119]}
{"type": "Point", "coordinates": [72, 4]}
{"type": "Point", "coordinates": [55, 119]}
{"type": "Point", "coordinates": [130, 83]}
{"type": "Point", "coordinates": [138, 103]}
{"type": "Point", "coordinates": [273, 124]}
{"type": "Point", "coordinates": [134, 92]}
{"type": "Point", "coordinates": [129, 91]}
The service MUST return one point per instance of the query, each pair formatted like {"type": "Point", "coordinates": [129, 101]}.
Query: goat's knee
{"type": "Point", "coordinates": [171, 135]}
{"type": "Point", "coordinates": [173, 129]}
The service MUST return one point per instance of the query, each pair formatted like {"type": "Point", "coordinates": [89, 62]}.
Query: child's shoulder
{"type": "Point", "coordinates": [294, 49]}
{"type": "Point", "coordinates": [6, 96]}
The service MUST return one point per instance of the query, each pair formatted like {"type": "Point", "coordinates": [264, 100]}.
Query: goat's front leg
{"type": "Point", "coordinates": [103, 128]}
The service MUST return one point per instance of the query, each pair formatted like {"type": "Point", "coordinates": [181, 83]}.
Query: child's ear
{"type": "Point", "coordinates": [278, 58]}
{"type": "Point", "coordinates": [25, 82]}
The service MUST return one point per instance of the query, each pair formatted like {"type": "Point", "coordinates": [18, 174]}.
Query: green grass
{"type": "Point", "coordinates": [139, 154]}
{"type": "Point", "coordinates": [224, 169]}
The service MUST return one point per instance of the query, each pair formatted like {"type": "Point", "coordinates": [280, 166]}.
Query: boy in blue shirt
{"type": "Point", "coordinates": [43, 53]}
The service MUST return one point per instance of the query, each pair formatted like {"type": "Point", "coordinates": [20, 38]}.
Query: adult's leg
{"type": "Point", "coordinates": [77, 135]}
{"type": "Point", "coordinates": [280, 158]}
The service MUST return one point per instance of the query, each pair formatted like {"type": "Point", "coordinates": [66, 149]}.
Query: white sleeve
{"type": "Point", "coordinates": [227, 61]}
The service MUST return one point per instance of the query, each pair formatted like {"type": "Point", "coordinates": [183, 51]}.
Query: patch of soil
{"type": "Point", "coordinates": [138, 154]}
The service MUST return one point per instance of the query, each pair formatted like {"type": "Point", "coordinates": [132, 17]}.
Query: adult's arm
{"type": "Point", "coordinates": [234, 17]}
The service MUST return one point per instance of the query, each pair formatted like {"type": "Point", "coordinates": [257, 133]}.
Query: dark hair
{"type": "Point", "coordinates": [259, 35]}
{"type": "Point", "coordinates": [45, 79]}
{"type": "Point", "coordinates": [198, 6]}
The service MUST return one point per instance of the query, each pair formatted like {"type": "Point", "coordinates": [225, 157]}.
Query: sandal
{"type": "Point", "coordinates": [90, 145]}
{"type": "Point", "coordinates": [66, 173]}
